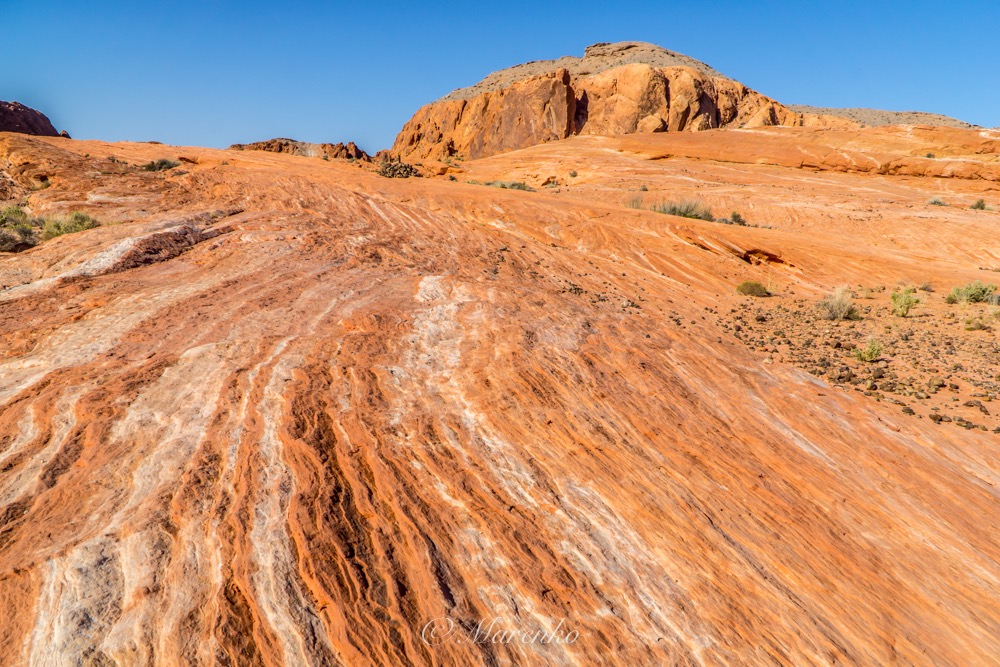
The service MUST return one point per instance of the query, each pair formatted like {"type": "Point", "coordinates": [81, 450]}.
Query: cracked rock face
{"type": "Point", "coordinates": [282, 411]}
{"type": "Point", "coordinates": [614, 89]}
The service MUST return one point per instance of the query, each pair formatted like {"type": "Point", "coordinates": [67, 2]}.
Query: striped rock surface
{"type": "Point", "coordinates": [287, 412]}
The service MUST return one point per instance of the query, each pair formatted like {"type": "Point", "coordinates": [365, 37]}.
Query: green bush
{"type": "Point", "coordinates": [839, 305]}
{"type": "Point", "coordinates": [12, 214]}
{"type": "Point", "coordinates": [870, 352]}
{"type": "Point", "coordinates": [77, 222]}
{"type": "Point", "coordinates": [509, 185]}
{"type": "Point", "coordinates": [936, 201]}
{"type": "Point", "coordinates": [734, 219]}
{"type": "Point", "coordinates": [752, 288]}
{"type": "Point", "coordinates": [976, 324]}
{"type": "Point", "coordinates": [980, 205]}
{"type": "Point", "coordinates": [903, 302]}
{"type": "Point", "coordinates": [159, 165]}
{"type": "Point", "coordinates": [975, 292]}
{"type": "Point", "coordinates": [685, 209]}
{"type": "Point", "coordinates": [17, 230]}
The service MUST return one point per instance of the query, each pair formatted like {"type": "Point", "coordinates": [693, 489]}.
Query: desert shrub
{"type": "Point", "coordinates": [12, 215]}
{"type": "Point", "coordinates": [752, 288]}
{"type": "Point", "coordinates": [976, 324]}
{"type": "Point", "coordinates": [974, 292]}
{"type": "Point", "coordinates": [904, 301]}
{"type": "Point", "coordinates": [77, 222]}
{"type": "Point", "coordinates": [734, 219]}
{"type": "Point", "coordinates": [930, 155]}
{"type": "Point", "coordinates": [643, 188]}
{"type": "Point", "coordinates": [18, 231]}
{"type": "Point", "coordinates": [685, 209]}
{"type": "Point", "coordinates": [510, 185]}
{"type": "Point", "coordinates": [936, 201]}
{"type": "Point", "coordinates": [979, 205]}
{"type": "Point", "coordinates": [8, 241]}
{"type": "Point", "coordinates": [635, 202]}
{"type": "Point", "coordinates": [870, 352]}
{"type": "Point", "coordinates": [159, 165]}
{"type": "Point", "coordinates": [17, 238]}
{"type": "Point", "coordinates": [926, 286]}
{"type": "Point", "coordinates": [572, 174]}
{"type": "Point", "coordinates": [839, 305]}
{"type": "Point", "coordinates": [397, 170]}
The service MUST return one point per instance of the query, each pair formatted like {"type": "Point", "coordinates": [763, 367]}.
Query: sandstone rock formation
{"type": "Point", "coordinates": [293, 413]}
{"type": "Point", "coordinates": [878, 117]}
{"type": "Point", "coordinates": [614, 89]}
{"type": "Point", "coordinates": [15, 117]}
{"type": "Point", "coordinates": [596, 58]}
{"type": "Point", "coordinates": [349, 150]}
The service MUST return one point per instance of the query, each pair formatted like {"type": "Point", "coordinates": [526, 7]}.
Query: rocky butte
{"type": "Point", "coordinates": [258, 408]}
{"type": "Point", "coordinates": [613, 89]}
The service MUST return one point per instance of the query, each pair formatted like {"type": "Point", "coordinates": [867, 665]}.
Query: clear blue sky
{"type": "Point", "coordinates": [216, 72]}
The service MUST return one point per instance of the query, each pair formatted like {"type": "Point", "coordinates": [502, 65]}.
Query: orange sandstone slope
{"type": "Point", "coordinates": [286, 412]}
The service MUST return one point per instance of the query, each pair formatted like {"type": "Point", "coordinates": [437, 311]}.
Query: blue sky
{"type": "Point", "coordinates": [216, 72]}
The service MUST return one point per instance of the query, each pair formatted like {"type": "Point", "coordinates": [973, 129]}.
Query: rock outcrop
{"type": "Point", "coordinates": [349, 150]}
{"type": "Point", "coordinates": [292, 413]}
{"type": "Point", "coordinates": [879, 117]}
{"type": "Point", "coordinates": [15, 117]}
{"type": "Point", "coordinates": [614, 89]}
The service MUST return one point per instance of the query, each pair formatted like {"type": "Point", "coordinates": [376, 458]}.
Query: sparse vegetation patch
{"type": "Point", "coordinates": [685, 209]}
{"type": "Point", "coordinates": [839, 305]}
{"type": "Point", "coordinates": [974, 292]}
{"type": "Point", "coordinates": [752, 288]}
{"type": "Point", "coordinates": [159, 165]}
{"type": "Point", "coordinates": [904, 301]}
{"type": "Point", "coordinates": [77, 222]}
{"type": "Point", "coordinates": [19, 231]}
{"type": "Point", "coordinates": [870, 352]}
{"type": "Point", "coordinates": [510, 185]}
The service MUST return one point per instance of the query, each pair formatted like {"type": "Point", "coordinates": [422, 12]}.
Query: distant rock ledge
{"type": "Point", "coordinates": [348, 151]}
{"type": "Point", "coordinates": [15, 117]}
{"type": "Point", "coordinates": [880, 117]}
